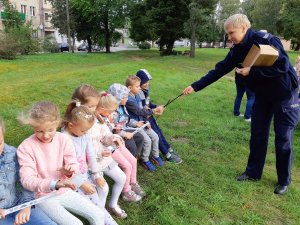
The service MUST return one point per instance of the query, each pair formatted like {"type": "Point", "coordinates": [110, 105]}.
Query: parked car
{"type": "Point", "coordinates": [96, 48]}
{"type": "Point", "coordinates": [179, 43]}
{"type": "Point", "coordinates": [63, 47]}
{"type": "Point", "coordinates": [83, 47]}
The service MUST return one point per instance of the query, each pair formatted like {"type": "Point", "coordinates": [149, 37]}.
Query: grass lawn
{"type": "Point", "coordinates": [201, 128]}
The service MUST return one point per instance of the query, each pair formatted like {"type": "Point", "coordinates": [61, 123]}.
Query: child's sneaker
{"type": "Point", "coordinates": [119, 213]}
{"type": "Point", "coordinates": [131, 196]}
{"type": "Point", "coordinates": [149, 166]}
{"type": "Point", "coordinates": [174, 158]}
{"type": "Point", "coordinates": [157, 161]}
{"type": "Point", "coordinates": [137, 189]}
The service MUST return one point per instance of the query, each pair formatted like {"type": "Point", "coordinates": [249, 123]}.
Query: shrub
{"type": "Point", "coordinates": [50, 45]}
{"type": "Point", "coordinates": [23, 37]}
{"type": "Point", "coordinates": [8, 47]}
{"type": "Point", "coordinates": [144, 45]}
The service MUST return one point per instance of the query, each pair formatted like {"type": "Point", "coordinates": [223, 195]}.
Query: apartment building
{"type": "Point", "coordinates": [36, 11]}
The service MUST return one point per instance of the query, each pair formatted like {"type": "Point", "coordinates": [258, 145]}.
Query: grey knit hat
{"type": "Point", "coordinates": [119, 91]}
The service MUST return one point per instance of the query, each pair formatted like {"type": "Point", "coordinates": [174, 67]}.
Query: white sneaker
{"type": "Point", "coordinates": [118, 212]}
{"type": "Point", "coordinates": [248, 120]}
{"type": "Point", "coordinates": [241, 115]}
{"type": "Point", "coordinates": [131, 196]}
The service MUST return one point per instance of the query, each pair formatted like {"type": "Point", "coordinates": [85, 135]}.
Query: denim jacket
{"type": "Point", "coordinates": [11, 191]}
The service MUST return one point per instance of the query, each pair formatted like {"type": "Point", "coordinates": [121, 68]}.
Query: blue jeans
{"type": "Point", "coordinates": [240, 90]}
{"type": "Point", "coordinates": [37, 217]}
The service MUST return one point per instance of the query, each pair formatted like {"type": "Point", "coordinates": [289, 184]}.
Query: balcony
{"type": "Point", "coordinates": [4, 16]}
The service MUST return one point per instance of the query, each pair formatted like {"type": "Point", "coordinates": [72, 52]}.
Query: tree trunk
{"type": "Point", "coordinates": [89, 41]}
{"type": "Point", "coordinates": [170, 46]}
{"type": "Point", "coordinates": [193, 42]}
{"type": "Point", "coordinates": [68, 27]}
{"type": "Point", "coordinates": [107, 37]}
{"type": "Point", "coordinates": [224, 41]}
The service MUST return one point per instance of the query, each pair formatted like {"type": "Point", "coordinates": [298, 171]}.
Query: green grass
{"type": "Point", "coordinates": [212, 142]}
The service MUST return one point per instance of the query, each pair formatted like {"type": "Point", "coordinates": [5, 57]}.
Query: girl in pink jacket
{"type": "Point", "coordinates": [47, 161]}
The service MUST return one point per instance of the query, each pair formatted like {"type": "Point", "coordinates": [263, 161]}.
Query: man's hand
{"type": "Point", "coordinates": [87, 188]}
{"type": "Point", "coordinates": [23, 216]}
{"type": "Point", "coordinates": [188, 90]}
{"type": "Point", "coordinates": [100, 182]}
{"type": "Point", "coordinates": [243, 71]}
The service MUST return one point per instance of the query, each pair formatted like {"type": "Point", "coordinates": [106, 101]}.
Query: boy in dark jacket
{"type": "Point", "coordinates": [164, 145]}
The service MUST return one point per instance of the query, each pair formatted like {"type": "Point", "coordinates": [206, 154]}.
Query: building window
{"type": "Point", "coordinates": [47, 16]}
{"type": "Point", "coordinates": [23, 9]}
{"type": "Point", "coordinates": [32, 11]}
{"type": "Point", "coordinates": [35, 34]}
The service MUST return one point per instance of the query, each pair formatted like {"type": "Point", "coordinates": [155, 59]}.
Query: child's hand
{"type": "Point", "coordinates": [67, 170]}
{"type": "Point", "coordinates": [87, 188]}
{"type": "Point", "coordinates": [2, 214]}
{"type": "Point", "coordinates": [100, 182]}
{"type": "Point", "coordinates": [158, 110]}
{"type": "Point", "coordinates": [128, 135]}
{"type": "Point", "coordinates": [23, 216]}
{"type": "Point", "coordinates": [119, 141]}
{"type": "Point", "coordinates": [140, 123]}
{"type": "Point", "coordinates": [65, 183]}
{"type": "Point", "coordinates": [106, 153]}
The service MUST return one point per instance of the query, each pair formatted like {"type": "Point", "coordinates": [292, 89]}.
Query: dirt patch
{"type": "Point", "coordinates": [136, 58]}
{"type": "Point", "coordinates": [180, 139]}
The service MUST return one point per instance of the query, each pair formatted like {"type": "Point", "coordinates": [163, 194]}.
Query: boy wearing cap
{"type": "Point", "coordinates": [164, 146]}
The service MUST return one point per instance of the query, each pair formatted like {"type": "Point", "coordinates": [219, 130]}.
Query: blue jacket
{"type": "Point", "coordinates": [136, 110]}
{"type": "Point", "coordinates": [145, 98]}
{"type": "Point", "coordinates": [11, 191]}
{"type": "Point", "coordinates": [274, 81]}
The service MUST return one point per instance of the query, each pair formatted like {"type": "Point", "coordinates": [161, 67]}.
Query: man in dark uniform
{"type": "Point", "coordinates": [276, 91]}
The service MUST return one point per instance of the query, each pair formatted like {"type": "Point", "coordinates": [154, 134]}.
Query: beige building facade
{"type": "Point", "coordinates": [36, 11]}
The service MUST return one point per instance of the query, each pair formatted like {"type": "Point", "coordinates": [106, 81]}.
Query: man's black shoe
{"type": "Point", "coordinates": [244, 177]}
{"type": "Point", "coordinates": [280, 190]}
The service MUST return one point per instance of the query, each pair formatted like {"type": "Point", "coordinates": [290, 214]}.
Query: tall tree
{"type": "Point", "coordinates": [226, 8]}
{"type": "Point", "coordinates": [12, 16]}
{"type": "Point", "coordinates": [105, 15]}
{"type": "Point", "coordinates": [59, 19]}
{"type": "Point", "coordinates": [199, 18]}
{"type": "Point", "coordinates": [289, 22]}
{"type": "Point", "coordinates": [263, 14]}
{"type": "Point", "coordinates": [162, 20]}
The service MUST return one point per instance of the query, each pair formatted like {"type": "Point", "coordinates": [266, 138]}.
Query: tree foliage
{"type": "Point", "coordinates": [161, 20]}
{"type": "Point", "coordinates": [289, 22]}
{"type": "Point", "coordinates": [263, 14]}
{"type": "Point", "coordinates": [12, 16]}
{"type": "Point", "coordinates": [198, 24]}
{"type": "Point", "coordinates": [102, 17]}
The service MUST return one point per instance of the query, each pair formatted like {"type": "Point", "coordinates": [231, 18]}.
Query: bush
{"type": "Point", "coordinates": [144, 45]}
{"type": "Point", "coordinates": [50, 45]}
{"type": "Point", "coordinates": [17, 40]}
{"type": "Point", "coordinates": [23, 37]}
{"type": "Point", "coordinates": [8, 47]}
